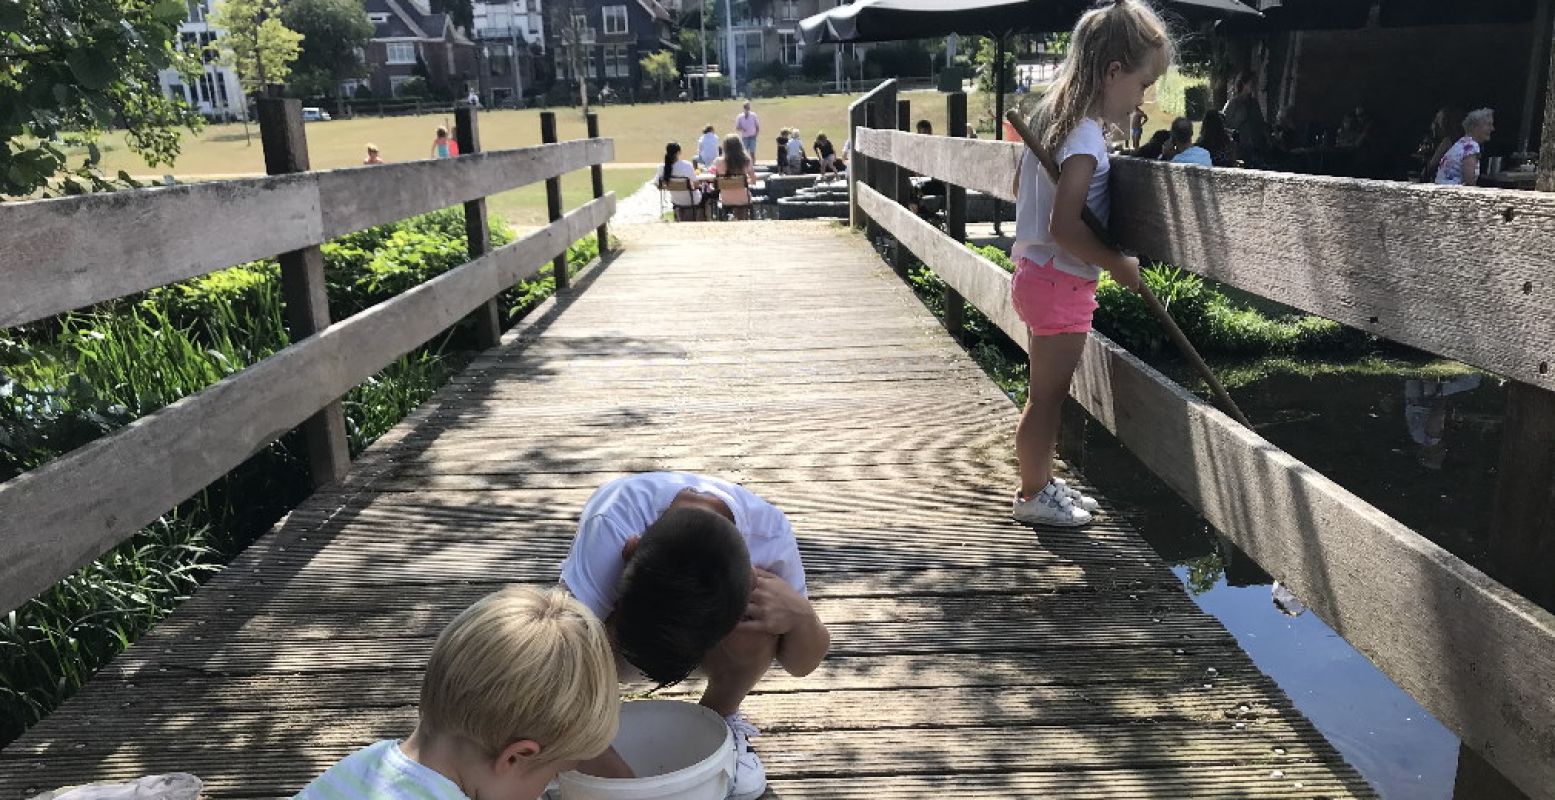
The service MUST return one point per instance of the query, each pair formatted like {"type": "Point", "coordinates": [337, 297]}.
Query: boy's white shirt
{"type": "Point", "coordinates": [625, 507]}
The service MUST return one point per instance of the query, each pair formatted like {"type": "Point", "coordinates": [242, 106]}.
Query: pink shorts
{"type": "Point", "coordinates": [1051, 301]}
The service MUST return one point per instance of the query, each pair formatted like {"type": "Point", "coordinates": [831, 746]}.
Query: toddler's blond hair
{"type": "Point", "coordinates": [524, 664]}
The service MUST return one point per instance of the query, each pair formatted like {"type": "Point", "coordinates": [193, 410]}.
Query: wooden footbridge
{"type": "Point", "coordinates": [972, 657]}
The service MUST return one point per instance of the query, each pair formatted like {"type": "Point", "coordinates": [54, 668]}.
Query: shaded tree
{"type": "Point", "coordinates": [333, 33]}
{"type": "Point", "coordinates": [660, 68]}
{"type": "Point", "coordinates": [81, 66]}
{"type": "Point", "coordinates": [256, 44]}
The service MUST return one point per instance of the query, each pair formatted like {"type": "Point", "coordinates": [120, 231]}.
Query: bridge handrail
{"type": "Point", "coordinates": [127, 242]}
{"type": "Point", "coordinates": [69, 511]}
{"type": "Point", "coordinates": [1478, 656]}
{"type": "Point", "coordinates": [1461, 272]}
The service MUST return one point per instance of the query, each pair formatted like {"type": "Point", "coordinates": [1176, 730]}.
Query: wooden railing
{"type": "Point", "coordinates": [1465, 273]}
{"type": "Point", "coordinates": [64, 254]}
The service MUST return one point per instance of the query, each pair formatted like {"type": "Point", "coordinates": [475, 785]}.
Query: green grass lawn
{"type": "Point", "coordinates": [640, 133]}
{"type": "Point", "coordinates": [525, 207]}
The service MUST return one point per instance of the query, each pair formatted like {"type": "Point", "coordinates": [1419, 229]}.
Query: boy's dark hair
{"type": "Point", "coordinates": [1182, 130]}
{"type": "Point", "coordinates": [683, 591]}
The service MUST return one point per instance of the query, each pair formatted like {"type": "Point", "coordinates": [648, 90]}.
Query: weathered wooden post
{"type": "Point", "coordinates": [1522, 521]}
{"type": "Point", "coordinates": [955, 213]}
{"type": "Point", "coordinates": [856, 162]}
{"type": "Point", "coordinates": [302, 286]}
{"type": "Point", "coordinates": [884, 171]}
{"type": "Point", "coordinates": [903, 187]}
{"type": "Point", "coordinates": [873, 170]}
{"type": "Point", "coordinates": [477, 231]}
{"type": "Point", "coordinates": [597, 171]}
{"type": "Point", "coordinates": [553, 196]}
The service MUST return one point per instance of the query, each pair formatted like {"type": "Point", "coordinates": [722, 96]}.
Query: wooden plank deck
{"type": "Point", "coordinates": [971, 657]}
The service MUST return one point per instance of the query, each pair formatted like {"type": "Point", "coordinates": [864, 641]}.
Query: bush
{"type": "Point", "coordinates": [772, 71]}
{"type": "Point", "coordinates": [86, 374]}
{"type": "Point", "coordinates": [802, 87]}
{"type": "Point", "coordinates": [817, 65]}
{"type": "Point", "coordinates": [415, 87]}
{"type": "Point", "coordinates": [761, 87]}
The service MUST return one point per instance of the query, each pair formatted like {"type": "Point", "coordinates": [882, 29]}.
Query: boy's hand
{"type": "Point", "coordinates": [774, 606]}
{"type": "Point", "coordinates": [1126, 272]}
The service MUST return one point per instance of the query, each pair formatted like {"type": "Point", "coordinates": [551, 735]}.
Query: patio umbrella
{"type": "Point", "coordinates": [893, 20]}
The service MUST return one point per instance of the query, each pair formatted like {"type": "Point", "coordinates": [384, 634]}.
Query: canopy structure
{"type": "Point", "coordinates": [896, 20]}
{"type": "Point", "coordinates": [893, 20]}
{"type": "Point", "coordinates": [1318, 15]}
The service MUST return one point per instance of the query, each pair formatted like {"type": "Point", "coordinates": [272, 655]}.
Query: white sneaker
{"type": "Point", "coordinates": [1051, 506]}
{"type": "Point", "coordinates": [750, 777]}
{"type": "Point", "coordinates": [1084, 501]}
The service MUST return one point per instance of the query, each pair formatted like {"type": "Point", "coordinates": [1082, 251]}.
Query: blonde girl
{"type": "Point", "coordinates": [1116, 52]}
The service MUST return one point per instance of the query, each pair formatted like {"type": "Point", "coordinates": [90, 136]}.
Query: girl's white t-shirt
{"type": "Point", "coordinates": [1034, 203]}
{"type": "Point", "coordinates": [625, 507]}
{"type": "Point", "coordinates": [685, 169]}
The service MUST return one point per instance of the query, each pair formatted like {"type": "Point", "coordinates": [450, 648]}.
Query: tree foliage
{"type": "Point", "coordinates": [332, 32]}
{"type": "Point", "coordinates": [257, 44]}
{"type": "Point", "coordinates": [79, 66]}
{"type": "Point", "coordinates": [660, 68]}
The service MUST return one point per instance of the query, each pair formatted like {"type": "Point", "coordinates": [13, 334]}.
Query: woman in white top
{"type": "Point", "coordinates": [1460, 164]}
{"type": "Point", "coordinates": [707, 147]}
{"type": "Point", "coordinates": [677, 167]}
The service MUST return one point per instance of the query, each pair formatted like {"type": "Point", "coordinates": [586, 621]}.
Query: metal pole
{"type": "Point", "coordinates": [998, 123]}
{"type": "Point", "coordinates": [702, 26]}
{"type": "Point", "coordinates": [733, 70]}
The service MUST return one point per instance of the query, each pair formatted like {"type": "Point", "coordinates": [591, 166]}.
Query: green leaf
{"type": "Point", "coordinates": [168, 11]}
{"type": "Point", "coordinates": [90, 68]}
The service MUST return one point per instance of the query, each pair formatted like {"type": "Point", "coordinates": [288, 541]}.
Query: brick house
{"type": "Point", "coordinates": [406, 34]}
{"type": "Point", "coordinates": [768, 31]}
{"type": "Point", "coordinates": [614, 36]}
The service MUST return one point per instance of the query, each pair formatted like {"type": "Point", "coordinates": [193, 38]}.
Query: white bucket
{"type": "Point", "coordinates": [681, 751]}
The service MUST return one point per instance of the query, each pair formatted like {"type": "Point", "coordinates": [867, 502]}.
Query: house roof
{"type": "Point", "coordinates": [658, 11]}
{"type": "Point", "coordinates": [410, 19]}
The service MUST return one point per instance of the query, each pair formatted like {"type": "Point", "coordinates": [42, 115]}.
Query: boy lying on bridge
{"type": "Point", "coordinates": [694, 572]}
{"type": "Point", "coordinates": [520, 687]}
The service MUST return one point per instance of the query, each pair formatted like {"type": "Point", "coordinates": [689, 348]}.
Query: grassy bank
{"type": "Point", "coordinates": [639, 132]}
{"type": "Point", "coordinates": [69, 380]}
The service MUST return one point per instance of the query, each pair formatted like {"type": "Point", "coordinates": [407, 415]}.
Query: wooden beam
{"type": "Point", "coordinates": [902, 190]}
{"type": "Point", "coordinates": [597, 175]}
{"type": "Point", "coordinates": [477, 230]}
{"type": "Point", "coordinates": [73, 252]}
{"type": "Point", "coordinates": [1462, 272]}
{"type": "Point", "coordinates": [1476, 655]}
{"type": "Point", "coordinates": [955, 212]}
{"type": "Point", "coordinates": [856, 163]}
{"type": "Point", "coordinates": [66, 513]}
{"type": "Point", "coordinates": [361, 197]}
{"type": "Point", "coordinates": [1459, 271]}
{"type": "Point", "coordinates": [303, 289]}
{"type": "Point", "coordinates": [76, 251]}
{"type": "Point", "coordinates": [553, 198]}
{"type": "Point", "coordinates": [977, 164]}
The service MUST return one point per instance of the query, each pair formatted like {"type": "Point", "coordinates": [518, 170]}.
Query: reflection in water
{"type": "Point", "coordinates": [1345, 426]}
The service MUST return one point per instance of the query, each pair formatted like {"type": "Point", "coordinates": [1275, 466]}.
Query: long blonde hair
{"type": "Point", "coordinates": [1125, 31]}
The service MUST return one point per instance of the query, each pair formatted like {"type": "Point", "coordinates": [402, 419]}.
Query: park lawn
{"type": "Point", "coordinates": [640, 133]}
{"type": "Point", "coordinates": [525, 207]}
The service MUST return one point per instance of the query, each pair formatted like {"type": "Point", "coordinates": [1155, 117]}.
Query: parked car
{"type": "Point", "coordinates": [315, 114]}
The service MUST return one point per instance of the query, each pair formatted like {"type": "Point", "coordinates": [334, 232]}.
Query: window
{"type": "Point", "coordinates": [402, 52]}
{"type": "Point", "coordinates": [791, 51]}
{"type": "Point", "coordinates": [615, 20]}
{"type": "Point", "coordinates": [618, 61]}
{"type": "Point", "coordinates": [395, 81]}
{"type": "Point", "coordinates": [377, 18]}
{"type": "Point", "coordinates": [788, 9]}
{"type": "Point", "coordinates": [197, 10]}
{"type": "Point", "coordinates": [581, 28]}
